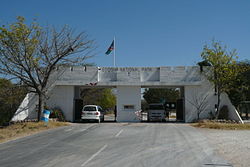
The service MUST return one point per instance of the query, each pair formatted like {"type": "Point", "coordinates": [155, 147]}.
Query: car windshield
{"type": "Point", "coordinates": [156, 107]}
{"type": "Point", "coordinates": [89, 108]}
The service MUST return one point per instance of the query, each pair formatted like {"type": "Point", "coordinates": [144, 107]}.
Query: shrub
{"type": "Point", "coordinates": [224, 113]}
{"type": "Point", "coordinates": [11, 95]}
{"type": "Point", "coordinates": [57, 113]}
{"type": "Point", "coordinates": [211, 115]}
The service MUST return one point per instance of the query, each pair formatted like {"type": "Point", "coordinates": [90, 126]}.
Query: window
{"type": "Point", "coordinates": [100, 109]}
{"type": "Point", "coordinates": [129, 107]}
{"type": "Point", "coordinates": [156, 107]}
{"type": "Point", "coordinates": [89, 109]}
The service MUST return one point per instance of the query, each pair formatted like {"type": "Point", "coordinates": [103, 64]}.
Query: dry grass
{"type": "Point", "coordinates": [27, 128]}
{"type": "Point", "coordinates": [224, 126]}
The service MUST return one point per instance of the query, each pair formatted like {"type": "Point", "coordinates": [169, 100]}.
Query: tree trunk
{"type": "Point", "coordinates": [218, 105]}
{"type": "Point", "coordinates": [40, 106]}
{"type": "Point", "coordinates": [198, 115]}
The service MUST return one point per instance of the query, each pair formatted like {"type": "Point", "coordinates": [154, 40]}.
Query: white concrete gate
{"type": "Point", "coordinates": [128, 81]}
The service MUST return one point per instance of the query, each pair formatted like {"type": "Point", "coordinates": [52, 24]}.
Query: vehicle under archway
{"type": "Point", "coordinates": [163, 104]}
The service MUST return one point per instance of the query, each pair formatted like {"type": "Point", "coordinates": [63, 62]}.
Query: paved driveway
{"type": "Point", "coordinates": [113, 145]}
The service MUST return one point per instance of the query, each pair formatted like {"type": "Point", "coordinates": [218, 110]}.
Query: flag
{"type": "Point", "coordinates": [112, 47]}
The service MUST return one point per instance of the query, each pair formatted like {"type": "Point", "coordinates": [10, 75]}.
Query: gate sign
{"type": "Point", "coordinates": [46, 114]}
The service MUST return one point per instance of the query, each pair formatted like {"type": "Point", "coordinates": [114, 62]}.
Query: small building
{"type": "Point", "coordinates": [65, 83]}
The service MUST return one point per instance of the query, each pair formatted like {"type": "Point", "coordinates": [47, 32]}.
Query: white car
{"type": "Point", "coordinates": [92, 112]}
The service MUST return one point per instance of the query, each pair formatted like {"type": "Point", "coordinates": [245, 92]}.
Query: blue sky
{"type": "Point", "coordinates": [148, 32]}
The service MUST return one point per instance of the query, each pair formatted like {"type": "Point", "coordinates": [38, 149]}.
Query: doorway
{"type": "Point", "coordinates": [105, 97]}
{"type": "Point", "coordinates": [170, 98]}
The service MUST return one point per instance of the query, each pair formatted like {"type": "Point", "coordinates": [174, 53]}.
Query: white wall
{"type": "Point", "coordinates": [128, 95]}
{"type": "Point", "coordinates": [233, 113]}
{"type": "Point", "coordinates": [63, 97]}
{"type": "Point", "coordinates": [193, 92]}
{"type": "Point", "coordinates": [27, 108]}
{"type": "Point", "coordinates": [206, 89]}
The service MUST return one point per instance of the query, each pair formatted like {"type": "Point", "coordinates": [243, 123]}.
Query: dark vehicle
{"type": "Point", "coordinates": [156, 112]}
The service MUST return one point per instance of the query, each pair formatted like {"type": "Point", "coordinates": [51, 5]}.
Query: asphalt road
{"type": "Point", "coordinates": [112, 145]}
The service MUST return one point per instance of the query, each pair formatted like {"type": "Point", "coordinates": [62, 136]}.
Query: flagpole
{"type": "Point", "coordinates": [114, 52]}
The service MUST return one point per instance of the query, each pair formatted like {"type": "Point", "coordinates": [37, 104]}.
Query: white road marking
{"type": "Point", "coordinates": [67, 130]}
{"type": "Point", "coordinates": [94, 155]}
{"type": "Point", "coordinates": [118, 134]}
{"type": "Point", "coordinates": [81, 130]}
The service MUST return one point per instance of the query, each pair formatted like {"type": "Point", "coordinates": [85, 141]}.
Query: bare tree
{"type": "Point", "coordinates": [199, 101]}
{"type": "Point", "coordinates": [31, 53]}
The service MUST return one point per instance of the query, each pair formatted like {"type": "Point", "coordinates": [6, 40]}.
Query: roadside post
{"type": "Point", "coordinates": [45, 117]}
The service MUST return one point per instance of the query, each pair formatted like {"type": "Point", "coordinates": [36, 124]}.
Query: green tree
{"type": "Point", "coordinates": [241, 86]}
{"type": "Point", "coordinates": [99, 96]}
{"type": "Point", "coordinates": [224, 68]}
{"type": "Point", "coordinates": [144, 105]}
{"type": "Point", "coordinates": [159, 95]}
{"type": "Point", "coordinates": [31, 53]}
{"type": "Point", "coordinates": [107, 99]}
{"type": "Point", "coordinates": [10, 97]}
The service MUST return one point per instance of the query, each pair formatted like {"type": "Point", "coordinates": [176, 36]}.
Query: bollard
{"type": "Point", "coordinates": [45, 117]}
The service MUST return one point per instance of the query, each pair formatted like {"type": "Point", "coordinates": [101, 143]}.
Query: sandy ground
{"type": "Point", "coordinates": [233, 145]}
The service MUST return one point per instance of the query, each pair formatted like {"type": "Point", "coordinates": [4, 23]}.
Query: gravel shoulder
{"type": "Point", "coordinates": [233, 145]}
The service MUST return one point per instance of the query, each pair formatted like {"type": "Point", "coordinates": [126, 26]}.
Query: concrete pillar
{"type": "Point", "coordinates": [128, 102]}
